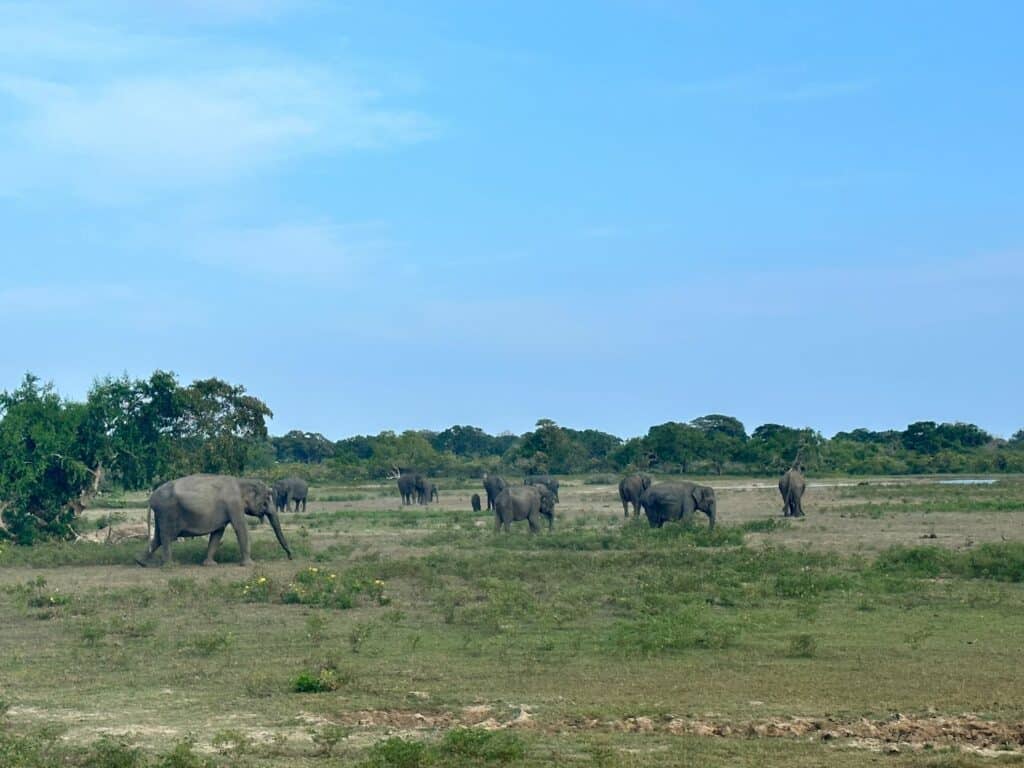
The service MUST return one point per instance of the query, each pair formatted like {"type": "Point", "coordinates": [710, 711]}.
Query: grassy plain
{"type": "Point", "coordinates": [885, 628]}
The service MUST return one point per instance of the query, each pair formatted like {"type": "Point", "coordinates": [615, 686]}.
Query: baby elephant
{"type": "Point", "coordinates": [475, 501]}
{"type": "Point", "coordinates": [525, 502]}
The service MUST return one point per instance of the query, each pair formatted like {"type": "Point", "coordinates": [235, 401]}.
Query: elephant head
{"type": "Point", "coordinates": [258, 500]}
{"type": "Point", "coordinates": [705, 500]}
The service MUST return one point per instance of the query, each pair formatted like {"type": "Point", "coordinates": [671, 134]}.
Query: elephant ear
{"type": "Point", "coordinates": [698, 495]}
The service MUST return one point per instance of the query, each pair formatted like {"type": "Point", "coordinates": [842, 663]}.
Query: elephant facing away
{"type": "Point", "coordinates": [792, 485]}
{"type": "Point", "coordinates": [546, 480]}
{"type": "Point", "coordinates": [407, 479]}
{"type": "Point", "coordinates": [198, 505]}
{"type": "Point", "coordinates": [493, 485]}
{"type": "Point", "coordinates": [474, 501]}
{"type": "Point", "coordinates": [630, 490]}
{"type": "Point", "coordinates": [288, 490]}
{"type": "Point", "coordinates": [426, 491]}
{"type": "Point", "coordinates": [523, 503]}
{"type": "Point", "coordinates": [668, 502]}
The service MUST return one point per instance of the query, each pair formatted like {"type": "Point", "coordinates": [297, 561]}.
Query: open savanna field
{"type": "Point", "coordinates": [885, 628]}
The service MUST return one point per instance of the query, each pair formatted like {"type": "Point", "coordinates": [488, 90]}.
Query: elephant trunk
{"type": "Point", "coordinates": [712, 514]}
{"type": "Point", "coordinates": [279, 533]}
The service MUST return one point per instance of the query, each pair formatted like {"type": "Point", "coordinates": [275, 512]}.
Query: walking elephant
{"type": "Point", "coordinates": [523, 503]}
{"type": "Point", "coordinates": [288, 490]}
{"type": "Point", "coordinates": [792, 485]}
{"type": "Point", "coordinates": [493, 485]}
{"type": "Point", "coordinates": [545, 480]}
{"type": "Point", "coordinates": [667, 502]}
{"type": "Point", "coordinates": [198, 505]}
{"type": "Point", "coordinates": [630, 490]}
{"type": "Point", "coordinates": [474, 501]}
{"type": "Point", "coordinates": [426, 491]}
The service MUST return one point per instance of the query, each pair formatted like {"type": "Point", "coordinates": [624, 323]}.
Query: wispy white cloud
{"type": "Point", "coordinates": [300, 250]}
{"type": "Point", "coordinates": [173, 114]}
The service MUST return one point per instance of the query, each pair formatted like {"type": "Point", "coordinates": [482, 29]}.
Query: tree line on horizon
{"type": "Point", "coordinates": [56, 454]}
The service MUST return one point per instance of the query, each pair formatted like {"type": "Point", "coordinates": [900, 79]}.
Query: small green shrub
{"type": "Point", "coordinates": [397, 753]}
{"type": "Point", "coordinates": [802, 646]}
{"type": "Point", "coordinates": [480, 745]}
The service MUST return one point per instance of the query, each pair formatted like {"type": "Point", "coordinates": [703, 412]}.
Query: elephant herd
{"type": "Point", "coordinates": [201, 505]}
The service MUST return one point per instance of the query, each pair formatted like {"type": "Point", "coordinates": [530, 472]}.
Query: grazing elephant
{"type": "Point", "coordinates": [666, 502]}
{"type": "Point", "coordinates": [493, 485]}
{"type": "Point", "coordinates": [475, 501]}
{"type": "Point", "coordinates": [290, 489]}
{"type": "Point", "coordinates": [545, 480]}
{"type": "Point", "coordinates": [791, 486]}
{"type": "Point", "coordinates": [630, 490]}
{"type": "Point", "coordinates": [205, 504]}
{"type": "Point", "coordinates": [523, 503]}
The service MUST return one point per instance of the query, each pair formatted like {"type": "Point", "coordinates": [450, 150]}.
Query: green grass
{"type": "Point", "coordinates": [369, 648]}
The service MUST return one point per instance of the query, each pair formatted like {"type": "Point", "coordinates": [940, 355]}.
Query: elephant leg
{"type": "Point", "coordinates": [534, 524]}
{"type": "Point", "coordinates": [242, 534]}
{"type": "Point", "coordinates": [211, 548]}
{"type": "Point", "coordinates": [166, 537]}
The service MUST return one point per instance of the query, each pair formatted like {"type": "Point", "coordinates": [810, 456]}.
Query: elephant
{"type": "Point", "coordinates": [426, 491]}
{"type": "Point", "coordinates": [630, 490]}
{"type": "Point", "coordinates": [493, 485]}
{"type": "Point", "coordinates": [666, 502]}
{"type": "Point", "coordinates": [197, 505]}
{"type": "Point", "coordinates": [407, 480]}
{"type": "Point", "coordinates": [792, 485]}
{"type": "Point", "coordinates": [474, 500]}
{"type": "Point", "coordinates": [523, 503]}
{"type": "Point", "coordinates": [545, 480]}
{"type": "Point", "coordinates": [290, 489]}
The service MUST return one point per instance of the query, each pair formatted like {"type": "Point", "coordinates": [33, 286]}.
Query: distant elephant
{"type": "Point", "coordinates": [523, 503]}
{"type": "Point", "coordinates": [667, 502]}
{"type": "Point", "coordinates": [205, 504]}
{"type": "Point", "coordinates": [407, 479]}
{"type": "Point", "coordinates": [493, 485]}
{"type": "Point", "coordinates": [475, 501]}
{"type": "Point", "coordinates": [290, 489]}
{"type": "Point", "coordinates": [792, 485]}
{"type": "Point", "coordinates": [630, 490]}
{"type": "Point", "coordinates": [426, 491]}
{"type": "Point", "coordinates": [545, 480]}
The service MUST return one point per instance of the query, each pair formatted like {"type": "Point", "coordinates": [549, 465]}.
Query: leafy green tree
{"type": "Point", "coordinates": [45, 468]}
{"type": "Point", "coordinates": [675, 443]}
{"type": "Point", "coordinates": [302, 447]}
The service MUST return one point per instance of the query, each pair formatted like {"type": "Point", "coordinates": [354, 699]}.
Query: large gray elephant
{"type": "Point", "coordinates": [545, 480]}
{"type": "Point", "coordinates": [407, 480]}
{"type": "Point", "coordinates": [523, 503]}
{"type": "Point", "coordinates": [288, 490]}
{"type": "Point", "coordinates": [792, 485]}
{"type": "Point", "coordinates": [667, 502]}
{"type": "Point", "coordinates": [630, 490]}
{"type": "Point", "coordinates": [198, 505]}
{"type": "Point", "coordinates": [493, 485]}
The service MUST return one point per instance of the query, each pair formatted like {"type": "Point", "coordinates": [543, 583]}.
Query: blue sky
{"type": "Point", "coordinates": [612, 213]}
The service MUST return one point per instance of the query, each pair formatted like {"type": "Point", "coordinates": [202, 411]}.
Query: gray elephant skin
{"type": "Point", "coordinates": [523, 503]}
{"type": "Point", "coordinates": [407, 479]}
{"type": "Point", "coordinates": [792, 485]}
{"type": "Point", "coordinates": [546, 480]}
{"type": "Point", "coordinates": [426, 491]}
{"type": "Point", "coordinates": [630, 490]}
{"type": "Point", "coordinates": [474, 501]}
{"type": "Point", "coordinates": [288, 490]}
{"type": "Point", "coordinates": [493, 485]}
{"type": "Point", "coordinates": [668, 502]}
{"type": "Point", "coordinates": [198, 505]}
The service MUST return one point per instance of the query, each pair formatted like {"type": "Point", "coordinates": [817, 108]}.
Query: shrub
{"type": "Point", "coordinates": [397, 753]}
{"type": "Point", "coordinates": [802, 646]}
{"type": "Point", "coordinates": [478, 744]}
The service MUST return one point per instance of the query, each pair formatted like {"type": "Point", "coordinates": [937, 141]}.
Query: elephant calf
{"type": "Point", "coordinates": [668, 502]}
{"type": "Point", "coordinates": [523, 503]}
{"type": "Point", "coordinates": [475, 501]}
{"type": "Point", "coordinates": [290, 489]}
